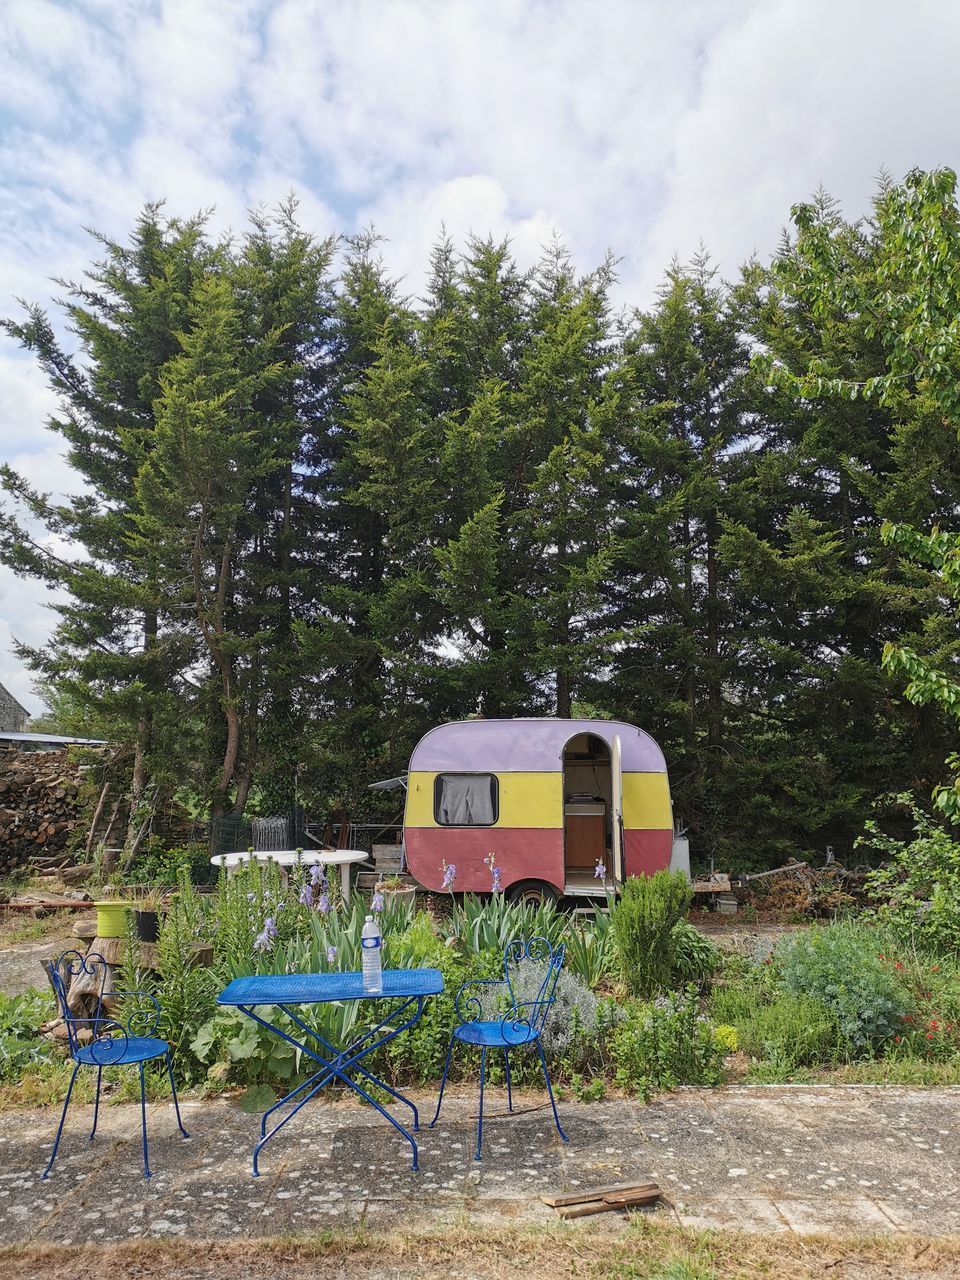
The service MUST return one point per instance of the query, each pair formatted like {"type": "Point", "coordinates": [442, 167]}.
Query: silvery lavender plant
{"type": "Point", "coordinates": [574, 1005]}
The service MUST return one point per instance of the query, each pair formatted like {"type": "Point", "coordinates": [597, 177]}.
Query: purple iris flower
{"type": "Point", "coordinates": [318, 877]}
{"type": "Point", "coordinates": [264, 939]}
{"type": "Point", "coordinates": [377, 901]}
{"type": "Point", "coordinates": [323, 903]}
{"type": "Point", "coordinates": [495, 873]}
{"type": "Point", "coordinates": [331, 954]}
{"type": "Point", "coordinates": [449, 875]}
{"type": "Point", "coordinates": [600, 871]}
{"type": "Point", "coordinates": [306, 895]}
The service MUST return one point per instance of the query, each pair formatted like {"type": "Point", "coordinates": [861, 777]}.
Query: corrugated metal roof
{"type": "Point", "coordinates": [27, 738]}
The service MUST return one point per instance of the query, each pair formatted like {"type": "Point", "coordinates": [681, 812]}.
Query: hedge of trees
{"type": "Point", "coordinates": [318, 517]}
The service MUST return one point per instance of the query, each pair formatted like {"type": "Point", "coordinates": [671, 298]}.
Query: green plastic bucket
{"type": "Point", "coordinates": [111, 919]}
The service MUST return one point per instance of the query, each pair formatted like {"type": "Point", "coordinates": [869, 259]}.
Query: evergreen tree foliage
{"type": "Point", "coordinates": [318, 517]}
{"type": "Point", "coordinates": [886, 294]}
{"type": "Point", "coordinates": [107, 652]}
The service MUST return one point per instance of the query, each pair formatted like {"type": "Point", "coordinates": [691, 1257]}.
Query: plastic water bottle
{"type": "Point", "coordinates": [371, 943]}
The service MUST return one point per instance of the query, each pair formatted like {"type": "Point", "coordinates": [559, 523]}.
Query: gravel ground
{"type": "Point", "coordinates": [20, 964]}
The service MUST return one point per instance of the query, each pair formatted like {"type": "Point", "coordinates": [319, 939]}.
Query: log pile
{"type": "Point", "coordinates": [39, 808]}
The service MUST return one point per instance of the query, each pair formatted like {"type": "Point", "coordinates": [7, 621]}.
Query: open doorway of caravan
{"type": "Point", "coordinates": [590, 808]}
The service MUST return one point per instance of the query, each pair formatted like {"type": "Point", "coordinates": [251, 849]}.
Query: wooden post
{"type": "Point", "coordinates": [98, 814]}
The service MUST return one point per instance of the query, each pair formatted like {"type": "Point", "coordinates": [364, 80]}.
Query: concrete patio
{"type": "Point", "coordinates": [801, 1159]}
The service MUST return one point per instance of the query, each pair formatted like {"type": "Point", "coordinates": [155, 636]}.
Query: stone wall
{"type": "Point", "coordinates": [13, 717]}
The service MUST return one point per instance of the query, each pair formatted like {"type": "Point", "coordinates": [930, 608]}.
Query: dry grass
{"type": "Point", "coordinates": [22, 926]}
{"type": "Point", "coordinates": [646, 1250]}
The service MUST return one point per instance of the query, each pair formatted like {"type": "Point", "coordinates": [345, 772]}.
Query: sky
{"type": "Point", "coordinates": [644, 127]}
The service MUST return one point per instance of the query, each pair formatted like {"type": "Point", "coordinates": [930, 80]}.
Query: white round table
{"type": "Point", "coordinates": [285, 858]}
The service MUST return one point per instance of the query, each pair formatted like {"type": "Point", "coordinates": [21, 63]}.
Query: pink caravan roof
{"type": "Point", "coordinates": [526, 746]}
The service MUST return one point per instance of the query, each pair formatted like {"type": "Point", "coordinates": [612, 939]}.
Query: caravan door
{"type": "Point", "coordinates": [617, 812]}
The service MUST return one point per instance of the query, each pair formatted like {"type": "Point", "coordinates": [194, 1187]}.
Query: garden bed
{"type": "Point", "coordinates": [646, 1001]}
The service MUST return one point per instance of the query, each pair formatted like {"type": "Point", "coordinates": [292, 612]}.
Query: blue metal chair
{"type": "Point", "coordinates": [520, 1021]}
{"type": "Point", "coordinates": [114, 1043]}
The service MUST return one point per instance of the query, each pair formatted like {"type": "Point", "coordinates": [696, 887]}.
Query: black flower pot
{"type": "Point", "coordinates": [148, 925]}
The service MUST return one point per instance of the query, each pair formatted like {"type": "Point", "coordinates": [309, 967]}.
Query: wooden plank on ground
{"type": "Point", "coordinates": [719, 883]}
{"type": "Point", "coordinates": [586, 1195]}
{"type": "Point", "coordinates": [608, 1204]}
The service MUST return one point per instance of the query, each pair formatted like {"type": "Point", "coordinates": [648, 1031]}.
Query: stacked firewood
{"type": "Point", "coordinates": [39, 808]}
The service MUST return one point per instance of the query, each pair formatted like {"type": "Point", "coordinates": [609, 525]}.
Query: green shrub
{"type": "Point", "coordinates": [491, 922]}
{"type": "Point", "coordinates": [587, 1051]}
{"type": "Point", "coordinates": [573, 1012]}
{"type": "Point", "coordinates": [666, 1043]}
{"type": "Point", "coordinates": [589, 945]}
{"type": "Point", "coordinates": [695, 957]}
{"type": "Point", "coordinates": [726, 1037]}
{"type": "Point", "coordinates": [794, 1030]}
{"type": "Point", "coordinates": [187, 991]}
{"type": "Point", "coordinates": [161, 864]}
{"type": "Point", "coordinates": [841, 967]}
{"type": "Point", "coordinates": [918, 890]}
{"type": "Point", "coordinates": [21, 1047]}
{"type": "Point", "coordinates": [643, 921]}
{"type": "Point", "coordinates": [418, 1055]}
{"type": "Point", "coordinates": [734, 1005]}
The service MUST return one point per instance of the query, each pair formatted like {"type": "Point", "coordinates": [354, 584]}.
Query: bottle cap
{"type": "Point", "coordinates": [369, 917]}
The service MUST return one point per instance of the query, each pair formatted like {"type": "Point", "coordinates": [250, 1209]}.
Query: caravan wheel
{"type": "Point", "coordinates": [534, 892]}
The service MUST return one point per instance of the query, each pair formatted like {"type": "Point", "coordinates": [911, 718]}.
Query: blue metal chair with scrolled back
{"type": "Point", "coordinates": [104, 1039]}
{"type": "Point", "coordinates": [494, 1014]}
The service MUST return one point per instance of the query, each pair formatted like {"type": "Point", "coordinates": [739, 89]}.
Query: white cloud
{"type": "Point", "coordinates": [411, 218]}
{"type": "Point", "coordinates": [25, 404]}
{"type": "Point", "coordinates": [560, 108]}
{"type": "Point", "coordinates": [795, 96]}
{"type": "Point", "coordinates": [27, 607]}
{"type": "Point", "coordinates": [625, 124]}
{"type": "Point", "coordinates": [25, 615]}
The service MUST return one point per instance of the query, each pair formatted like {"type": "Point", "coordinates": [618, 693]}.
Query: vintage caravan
{"type": "Point", "coordinates": [551, 798]}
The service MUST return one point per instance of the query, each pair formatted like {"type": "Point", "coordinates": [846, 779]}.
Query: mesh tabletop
{"type": "Point", "coordinates": [315, 988]}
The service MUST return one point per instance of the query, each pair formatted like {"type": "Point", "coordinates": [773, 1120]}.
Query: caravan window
{"type": "Point", "coordinates": [465, 799]}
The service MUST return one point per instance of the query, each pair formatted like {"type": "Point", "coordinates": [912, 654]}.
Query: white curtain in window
{"type": "Point", "coordinates": [465, 800]}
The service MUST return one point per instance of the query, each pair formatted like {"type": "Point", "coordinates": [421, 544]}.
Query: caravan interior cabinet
{"type": "Point", "coordinates": [584, 835]}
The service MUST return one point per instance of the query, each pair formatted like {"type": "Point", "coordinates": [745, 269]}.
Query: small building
{"type": "Point", "coordinates": [13, 717]}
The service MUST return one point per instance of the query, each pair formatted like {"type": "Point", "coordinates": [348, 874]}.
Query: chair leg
{"type": "Point", "coordinates": [96, 1104]}
{"type": "Point", "coordinates": [483, 1073]}
{"type": "Point", "coordinates": [173, 1090]}
{"type": "Point", "coordinates": [143, 1122]}
{"type": "Point", "coordinates": [506, 1064]}
{"type": "Point", "coordinates": [63, 1116]}
{"type": "Point", "coordinates": [546, 1076]}
{"type": "Point", "coordinates": [443, 1082]}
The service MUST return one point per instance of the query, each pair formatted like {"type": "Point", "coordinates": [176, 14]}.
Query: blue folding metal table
{"type": "Point", "coordinates": [288, 990]}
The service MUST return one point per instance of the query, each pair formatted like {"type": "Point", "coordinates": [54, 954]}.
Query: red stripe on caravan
{"type": "Point", "coordinates": [646, 851]}
{"type": "Point", "coordinates": [527, 853]}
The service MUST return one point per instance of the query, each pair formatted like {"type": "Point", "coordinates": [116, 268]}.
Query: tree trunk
{"type": "Point", "coordinates": [714, 690]}
{"type": "Point", "coordinates": [230, 752]}
{"type": "Point", "coordinates": [563, 695]}
{"type": "Point", "coordinates": [690, 726]}
{"type": "Point", "coordinates": [140, 780]}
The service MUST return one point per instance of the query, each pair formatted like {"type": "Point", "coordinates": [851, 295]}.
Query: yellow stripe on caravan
{"type": "Point", "coordinates": [526, 800]}
{"type": "Point", "coordinates": [535, 800]}
{"type": "Point", "coordinates": [646, 802]}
